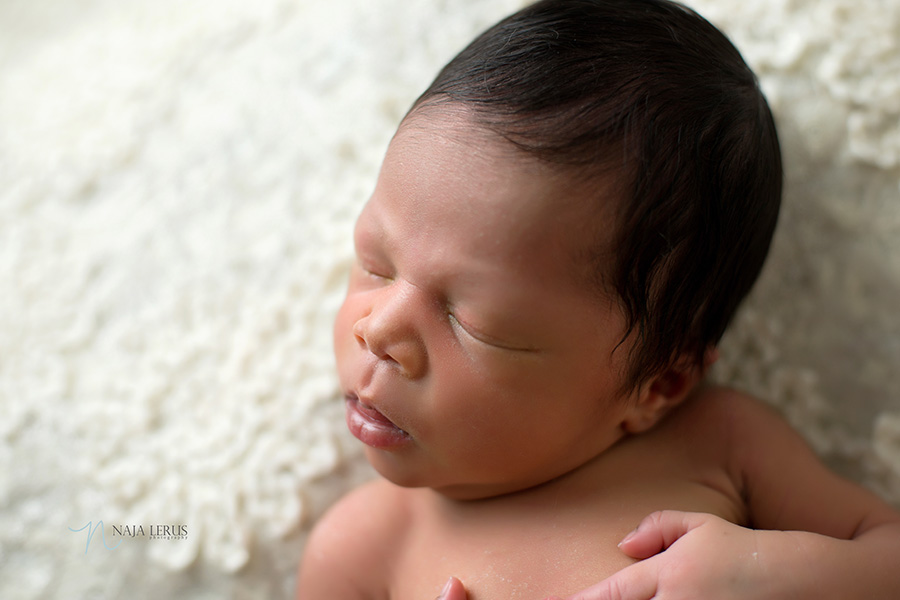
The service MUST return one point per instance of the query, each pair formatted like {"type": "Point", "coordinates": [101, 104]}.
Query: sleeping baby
{"type": "Point", "coordinates": [563, 226]}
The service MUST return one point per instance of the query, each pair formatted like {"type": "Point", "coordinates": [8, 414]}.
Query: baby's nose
{"type": "Point", "coordinates": [389, 332]}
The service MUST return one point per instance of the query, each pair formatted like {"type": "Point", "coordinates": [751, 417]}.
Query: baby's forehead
{"type": "Point", "coordinates": [451, 122]}
{"type": "Point", "coordinates": [596, 187]}
{"type": "Point", "coordinates": [578, 207]}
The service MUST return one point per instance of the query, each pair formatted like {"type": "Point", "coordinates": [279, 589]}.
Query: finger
{"type": "Point", "coordinates": [637, 582]}
{"type": "Point", "coordinates": [660, 530]}
{"type": "Point", "coordinates": [453, 590]}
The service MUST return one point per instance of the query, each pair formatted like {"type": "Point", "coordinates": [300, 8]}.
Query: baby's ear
{"type": "Point", "coordinates": [666, 391]}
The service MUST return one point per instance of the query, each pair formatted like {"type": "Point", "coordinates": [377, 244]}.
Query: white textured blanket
{"type": "Point", "coordinates": [178, 180]}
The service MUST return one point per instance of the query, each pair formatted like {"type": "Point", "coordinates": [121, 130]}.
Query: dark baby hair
{"type": "Point", "coordinates": [650, 91]}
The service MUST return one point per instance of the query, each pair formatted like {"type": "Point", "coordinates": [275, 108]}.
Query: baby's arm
{"type": "Point", "coordinates": [815, 535]}
{"type": "Point", "coordinates": [349, 551]}
{"type": "Point", "coordinates": [843, 540]}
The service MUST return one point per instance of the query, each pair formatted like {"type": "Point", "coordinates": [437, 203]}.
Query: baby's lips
{"type": "Point", "coordinates": [374, 414]}
{"type": "Point", "coordinates": [371, 427]}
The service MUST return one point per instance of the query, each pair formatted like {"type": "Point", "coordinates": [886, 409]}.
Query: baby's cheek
{"type": "Point", "coordinates": [339, 329]}
{"type": "Point", "coordinates": [342, 330]}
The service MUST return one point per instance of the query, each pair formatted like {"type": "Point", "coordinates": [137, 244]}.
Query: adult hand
{"type": "Point", "coordinates": [687, 556]}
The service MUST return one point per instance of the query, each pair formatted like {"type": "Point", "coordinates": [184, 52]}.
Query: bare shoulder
{"type": "Point", "coordinates": [717, 414]}
{"type": "Point", "coordinates": [785, 484]}
{"type": "Point", "coordinates": [363, 529]}
{"type": "Point", "coordinates": [752, 427]}
{"type": "Point", "coordinates": [725, 428]}
{"type": "Point", "coordinates": [719, 403]}
{"type": "Point", "coordinates": [758, 437]}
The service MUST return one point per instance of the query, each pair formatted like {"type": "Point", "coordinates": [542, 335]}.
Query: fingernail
{"type": "Point", "coordinates": [628, 538]}
{"type": "Point", "coordinates": [446, 589]}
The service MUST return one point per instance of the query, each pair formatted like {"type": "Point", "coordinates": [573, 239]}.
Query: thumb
{"type": "Point", "coordinates": [453, 590]}
{"type": "Point", "coordinates": [660, 530]}
{"type": "Point", "coordinates": [637, 582]}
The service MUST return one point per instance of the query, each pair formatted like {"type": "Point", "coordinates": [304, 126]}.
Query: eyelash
{"type": "Point", "coordinates": [457, 324]}
{"type": "Point", "coordinates": [369, 270]}
{"type": "Point", "coordinates": [480, 337]}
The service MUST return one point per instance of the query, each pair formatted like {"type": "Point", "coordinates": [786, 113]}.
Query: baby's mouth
{"type": "Point", "coordinates": [371, 427]}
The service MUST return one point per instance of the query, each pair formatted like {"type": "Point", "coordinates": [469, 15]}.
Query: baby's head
{"type": "Point", "coordinates": [650, 95]}
{"type": "Point", "coordinates": [572, 211]}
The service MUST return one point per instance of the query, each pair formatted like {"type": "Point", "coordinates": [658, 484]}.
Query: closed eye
{"type": "Point", "coordinates": [483, 338]}
{"type": "Point", "coordinates": [374, 271]}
